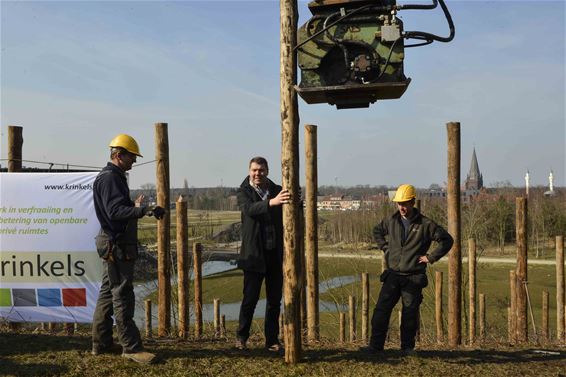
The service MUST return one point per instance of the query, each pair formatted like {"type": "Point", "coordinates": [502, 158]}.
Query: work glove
{"type": "Point", "coordinates": [155, 211]}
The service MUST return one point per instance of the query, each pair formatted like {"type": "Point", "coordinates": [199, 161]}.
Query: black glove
{"type": "Point", "coordinates": [156, 211]}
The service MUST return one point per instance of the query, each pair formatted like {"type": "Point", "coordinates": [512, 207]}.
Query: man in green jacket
{"type": "Point", "coordinates": [405, 239]}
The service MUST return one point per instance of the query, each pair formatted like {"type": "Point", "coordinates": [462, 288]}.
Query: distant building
{"type": "Point", "coordinates": [474, 181]}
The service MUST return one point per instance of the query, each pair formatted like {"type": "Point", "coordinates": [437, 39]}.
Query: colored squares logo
{"type": "Point", "coordinates": [74, 296]}
{"type": "Point", "coordinates": [5, 297]}
{"type": "Point", "coordinates": [24, 297]}
{"type": "Point", "coordinates": [45, 297]}
{"type": "Point", "coordinates": [49, 297]}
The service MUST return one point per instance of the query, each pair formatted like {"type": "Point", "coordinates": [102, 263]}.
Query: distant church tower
{"type": "Point", "coordinates": [474, 181]}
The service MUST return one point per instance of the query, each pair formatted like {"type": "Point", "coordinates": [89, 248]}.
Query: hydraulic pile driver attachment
{"type": "Point", "coordinates": [351, 52]}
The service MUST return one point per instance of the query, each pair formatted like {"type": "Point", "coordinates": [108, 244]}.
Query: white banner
{"type": "Point", "coordinates": [49, 268]}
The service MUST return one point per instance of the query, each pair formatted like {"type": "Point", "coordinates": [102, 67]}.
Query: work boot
{"type": "Point", "coordinates": [141, 357]}
{"type": "Point", "coordinates": [409, 352]}
{"type": "Point", "coordinates": [241, 345]}
{"type": "Point", "coordinates": [372, 350]}
{"type": "Point", "coordinates": [275, 348]}
{"type": "Point", "coordinates": [99, 350]}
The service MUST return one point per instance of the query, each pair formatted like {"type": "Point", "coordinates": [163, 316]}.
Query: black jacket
{"type": "Point", "coordinates": [257, 216]}
{"type": "Point", "coordinates": [403, 255]}
{"type": "Point", "coordinates": [112, 202]}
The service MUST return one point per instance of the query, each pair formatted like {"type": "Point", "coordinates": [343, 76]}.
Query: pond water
{"type": "Point", "coordinates": [231, 310]}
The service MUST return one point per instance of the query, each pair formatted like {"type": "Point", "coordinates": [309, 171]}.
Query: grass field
{"type": "Point", "coordinates": [25, 354]}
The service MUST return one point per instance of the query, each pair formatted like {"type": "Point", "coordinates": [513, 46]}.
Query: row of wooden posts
{"type": "Point", "coordinates": [518, 320]}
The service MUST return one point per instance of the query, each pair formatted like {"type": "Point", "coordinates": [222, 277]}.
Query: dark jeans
{"type": "Point", "coordinates": [273, 289]}
{"type": "Point", "coordinates": [409, 289]}
{"type": "Point", "coordinates": [116, 297]}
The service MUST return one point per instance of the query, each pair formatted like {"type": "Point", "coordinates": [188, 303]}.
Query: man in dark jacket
{"type": "Point", "coordinates": [261, 254]}
{"type": "Point", "coordinates": [405, 239]}
{"type": "Point", "coordinates": [116, 244]}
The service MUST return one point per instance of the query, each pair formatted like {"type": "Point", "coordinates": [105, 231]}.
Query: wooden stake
{"type": "Point", "coordinates": [223, 326]}
{"type": "Point", "coordinates": [482, 317]}
{"type": "Point", "coordinates": [311, 233]}
{"type": "Point", "coordinates": [438, 307]}
{"type": "Point", "coordinates": [182, 266]}
{"type": "Point", "coordinates": [365, 306]}
{"type": "Point", "coordinates": [15, 143]}
{"type": "Point", "coordinates": [472, 289]}
{"type": "Point", "coordinates": [197, 281]}
{"type": "Point", "coordinates": [290, 172]}
{"type": "Point", "coordinates": [544, 331]}
{"type": "Point", "coordinates": [560, 316]}
{"type": "Point", "coordinates": [148, 326]}
{"type": "Point", "coordinates": [163, 230]}
{"type": "Point", "coordinates": [352, 318]}
{"type": "Point", "coordinates": [454, 228]}
{"type": "Point", "coordinates": [522, 239]}
{"type": "Point", "coordinates": [342, 327]}
{"type": "Point", "coordinates": [216, 302]}
{"type": "Point", "coordinates": [513, 305]}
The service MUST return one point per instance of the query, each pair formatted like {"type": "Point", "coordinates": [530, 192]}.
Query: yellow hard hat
{"type": "Point", "coordinates": [127, 142]}
{"type": "Point", "coordinates": [405, 193]}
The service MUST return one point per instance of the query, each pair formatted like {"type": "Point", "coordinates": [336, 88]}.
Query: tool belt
{"type": "Point", "coordinates": [123, 247]}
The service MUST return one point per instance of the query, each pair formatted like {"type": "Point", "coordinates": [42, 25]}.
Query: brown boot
{"type": "Point", "coordinates": [141, 357]}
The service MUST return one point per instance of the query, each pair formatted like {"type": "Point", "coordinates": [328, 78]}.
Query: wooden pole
{"type": "Point", "coordinates": [15, 143]}
{"type": "Point", "coordinates": [521, 234]}
{"type": "Point", "coordinates": [311, 233]}
{"type": "Point", "coordinates": [182, 266]}
{"type": "Point", "coordinates": [216, 317]}
{"type": "Point", "coordinates": [303, 269]}
{"type": "Point", "coordinates": [438, 307]}
{"type": "Point", "coordinates": [560, 321]}
{"type": "Point", "coordinates": [365, 306]}
{"type": "Point", "coordinates": [472, 289]}
{"type": "Point", "coordinates": [342, 327]}
{"type": "Point", "coordinates": [544, 331]}
{"type": "Point", "coordinates": [148, 326]}
{"type": "Point", "coordinates": [513, 305]}
{"type": "Point", "coordinates": [223, 326]}
{"type": "Point", "coordinates": [197, 281]}
{"type": "Point", "coordinates": [352, 318]}
{"type": "Point", "coordinates": [290, 171]}
{"type": "Point", "coordinates": [163, 230]}
{"type": "Point", "coordinates": [482, 317]}
{"type": "Point", "coordinates": [454, 228]}
{"type": "Point", "coordinates": [510, 331]}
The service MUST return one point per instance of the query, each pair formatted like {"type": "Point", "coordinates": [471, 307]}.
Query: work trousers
{"type": "Point", "coordinates": [274, 290]}
{"type": "Point", "coordinates": [395, 286]}
{"type": "Point", "coordinates": [116, 297]}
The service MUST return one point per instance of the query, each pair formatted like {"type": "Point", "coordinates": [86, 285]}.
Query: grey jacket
{"type": "Point", "coordinates": [402, 255]}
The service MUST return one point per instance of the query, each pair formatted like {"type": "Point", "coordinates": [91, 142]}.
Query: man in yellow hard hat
{"type": "Point", "coordinates": [405, 239]}
{"type": "Point", "coordinates": [116, 244]}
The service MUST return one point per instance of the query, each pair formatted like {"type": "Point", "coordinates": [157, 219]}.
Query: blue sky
{"type": "Point", "coordinates": [74, 74]}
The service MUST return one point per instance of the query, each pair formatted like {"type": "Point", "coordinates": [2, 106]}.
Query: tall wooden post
{"type": "Point", "coordinates": [513, 305]}
{"type": "Point", "coordinates": [438, 307]}
{"type": "Point", "coordinates": [365, 306]}
{"type": "Point", "coordinates": [472, 288]}
{"type": "Point", "coordinates": [454, 228]}
{"type": "Point", "coordinates": [15, 143]}
{"type": "Point", "coordinates": [303, 270]}
{"type": "Point", "coordinates": [311, 233]}
{"type": "Point", "coordinates": [521, 234]}
{"type": "Point", "coordinates": [352, 318]}
{"type": "Point", "coordinates": [148, 324]}
{"type": "Point", "coordinates": [560, 331]}
{"type": "Point", "coordinates": [545, 333]}
{"type": "Point", "coordinates": [182, 266]}
{"type": "Point", "coordinates": [482, 317]}
{"type": "Point", "coordinates": [197, 281]}
{"type": "Point", "coordinates": [290, 172]}
{"type": "Point", "coordinates": [163, 230]}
